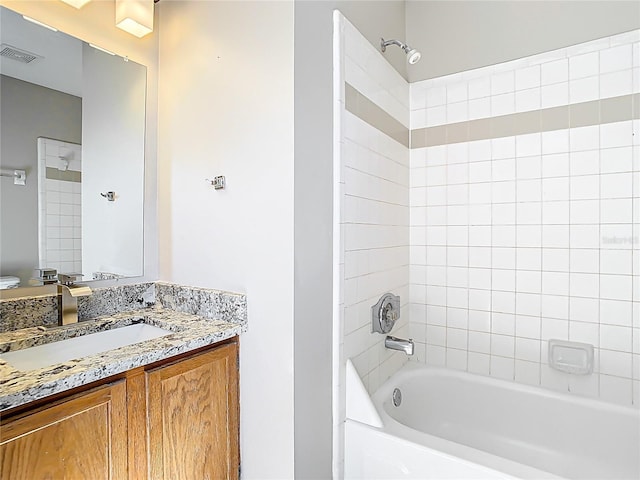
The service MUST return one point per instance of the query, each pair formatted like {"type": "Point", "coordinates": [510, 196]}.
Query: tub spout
{"type": "Point", "coordinates": [400, 344]}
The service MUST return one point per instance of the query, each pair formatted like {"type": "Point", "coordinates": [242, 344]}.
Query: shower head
{"type": "Point", "coordinates": [413, 55]}
{"type": "Point", "coordinates": [63, 166]}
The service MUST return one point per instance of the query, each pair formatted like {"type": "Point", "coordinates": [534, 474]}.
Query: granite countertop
{"type": "Point", "coordinates": [191, 331]}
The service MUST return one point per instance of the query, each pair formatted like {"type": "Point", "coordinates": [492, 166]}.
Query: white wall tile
{"type": "Point", "coordinates": [528, 327]}
{"type": "Point", "coordinates": [585, 90]}
{"type": "Point", "coordinates": [436, 96]}
{"type": "Point", "coordinates": [503, 192]}
{"type": "Point", "coordinates": [616, 261]}
{"type": "Point", "coordinates": [616, 287]}
{"type": "Point", "coordinates": [529, 237]}
{"type": "Point", "coordinates": [584, 162]}
{"type": "Point", "coordinates": [585, 260]}
{"type": "Point", "coordinates": [457, 92]}
{"type": "Point", "coordinates": [528, 77]}
{"type": "Point", "coordinates": [616, 210]}
{"type": "Point", "coordinates": [584, 236]}
{"type": "Point", "coordinates": [585, 187]}
{"type": "Point", "coordinates": [480, 150]}
{"type": "Point", "coordinates": [527, 100]}
{"type": "Point", "coordinates": [616, 84]}
{"type": "Point", "coordinates": [555, 212]}
{"type": "Point", "coordinates": [555, 72]}
{"type": "Point", "coordinates": [618, 134]}
{"type": "Point", "coordinates": [529, 213]}
{"type": "Point", "coordinates": [585, 211]}
{"type": "Point", "coordinates": [616, 58]}
{"type": "Point", "coordinates": [616, 312]}
{"type": "Point", "coordinates": [615, 389]}
{"type": "Point", "coordinates": [503, 301]}
{"type": "Point", "coordinates": [501, 367]}
{"type": "Point", "coordinates": [615, 363]}
{"type": "Point", "coordinates": [478, 363]}
{"type": "Point", "coordinates": [584, 138]}
{"type": "Point", "coordinates": [585, 65]}
{"type": "Point", "coordinates": [502, 83]}
{"type": "Point", "coordinates": [613, 160]}
{"type": "Point", "coordinates": [503, 104]}
{"type": "Point", "coordinates": [457, 112]}
{"type": "Point", "coordinates": [555, 306]}
{"type": "Point", "coordinates": [556, 236]}
{"type": "Point", "coordinates": [436, 116]}
{"type": "Point", "coordinates": [613, 337]}
{"type": "Point", "coordinates": [479, 87]}
{"type": "Point", "coordinates": [555, 95]}
{"type": "Point", "coordinates": [479, 108]}
{"type": "Point", "coordinates": [556, 165]}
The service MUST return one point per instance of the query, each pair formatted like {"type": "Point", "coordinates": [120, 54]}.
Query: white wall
{"type": "Point", "coordinates": [113, 121]}
{"type": "Point", "coordinates": [315, 345]}
{"type": "Point", "coordinates": [23, 120]}
{"type": "Point", "coordinates": [226, 103]}
{"type": "Point", "coordinates": [461, 35]}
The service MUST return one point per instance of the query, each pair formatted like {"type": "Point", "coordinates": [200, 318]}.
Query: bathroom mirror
{"type": "Point", "coordinates": [73, 120]}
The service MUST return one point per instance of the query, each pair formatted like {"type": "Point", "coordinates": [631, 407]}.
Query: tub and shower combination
{"type": "Point", "coordinates": [433, 423]}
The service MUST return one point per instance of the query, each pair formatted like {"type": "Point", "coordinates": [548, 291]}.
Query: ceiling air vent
{"type": "Point", "coordinates": [14, 53]}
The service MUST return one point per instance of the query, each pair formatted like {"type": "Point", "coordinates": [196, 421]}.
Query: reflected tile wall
{"type": "Point", "coordinates": [59, 205]}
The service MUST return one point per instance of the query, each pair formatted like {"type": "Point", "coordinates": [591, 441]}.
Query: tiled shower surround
{"type": "Point", "coordinates": [517, 221]}
{"type": "Point", "coordinates": [374, 198]}
{"type": "Point", "coordinates": [525, 186]}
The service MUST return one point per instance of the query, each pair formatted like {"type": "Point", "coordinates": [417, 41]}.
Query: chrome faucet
{"type": "Point", "coordinates": [45, 276]}
{"type": "Point", "coordinates": [68, 293]}
{"type": "Point", "coordinates": [399, 344]}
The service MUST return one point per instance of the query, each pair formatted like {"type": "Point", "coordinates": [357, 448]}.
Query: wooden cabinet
{"type": "Point", "coordinates": [178, 419]}
{"type": "Point", "coordinates": [82, 437]}
{"type": "Point", "coordinates": [193, 417]}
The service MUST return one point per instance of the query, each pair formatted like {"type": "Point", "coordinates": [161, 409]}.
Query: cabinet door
{"type": "Point", "coordinates": [84, 437]}
{"type": "Point", "coordinates": [193, 417]}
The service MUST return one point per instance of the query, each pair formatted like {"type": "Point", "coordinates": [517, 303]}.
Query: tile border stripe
{"type": "Point", "coordinates": [64, 175]}
{"type": "Point", "coordinates": [367, 111]}
{"type": "Point", "coordinates": [596, 112]}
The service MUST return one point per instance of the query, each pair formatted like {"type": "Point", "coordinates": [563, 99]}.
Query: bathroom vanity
{"type": "Point", "coordinates": [166, 407]}
{"type": "Point", "coordinates": [173, 419]}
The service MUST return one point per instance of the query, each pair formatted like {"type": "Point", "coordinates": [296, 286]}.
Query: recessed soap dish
{"type": "Point", "coordinates": [571, 357]}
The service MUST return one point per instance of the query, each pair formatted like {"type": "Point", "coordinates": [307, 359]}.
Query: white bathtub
{"type": "Point", "coordinates": [457, 425]}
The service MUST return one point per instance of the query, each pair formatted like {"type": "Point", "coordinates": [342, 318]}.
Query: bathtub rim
{"type": "Point", "coordinates": [411, 369]}
{"type": "Point", "coordinates": [464, 452]}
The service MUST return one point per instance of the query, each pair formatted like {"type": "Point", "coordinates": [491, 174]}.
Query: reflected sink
{"type": "Point", "coordinates": [82, 346]}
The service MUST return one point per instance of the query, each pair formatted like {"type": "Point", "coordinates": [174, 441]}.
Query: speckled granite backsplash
{"type": "Point", "coordinates": [203, 302]}
{"type": "Point", "coordinates": [112, 300]}
{"type": "Point", "coordinates": [28, 312]}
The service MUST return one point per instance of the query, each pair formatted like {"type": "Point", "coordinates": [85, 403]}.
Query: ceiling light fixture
{"type": "Point", "coordinates": [76, 3]}
{"type": "Point", "coordinates": [33, 20]}
{"type": "Point", "coordinates": [101, 49]}
{"type": "Point", "coordinates": [135, 16]}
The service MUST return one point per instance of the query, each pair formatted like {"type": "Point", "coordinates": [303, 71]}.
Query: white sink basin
{"type": "Point", "coordinates": [57, 352]}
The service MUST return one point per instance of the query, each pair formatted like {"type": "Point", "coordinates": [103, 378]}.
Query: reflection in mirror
{"type": "Point", "coordinates": [73, 119]}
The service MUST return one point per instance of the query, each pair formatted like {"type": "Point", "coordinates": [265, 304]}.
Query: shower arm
{"type": "Point", "coordinates": [385, 43]}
